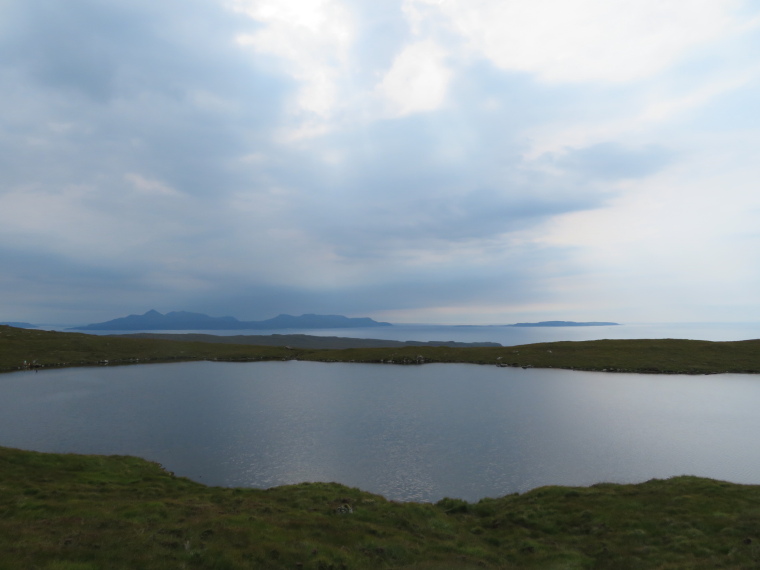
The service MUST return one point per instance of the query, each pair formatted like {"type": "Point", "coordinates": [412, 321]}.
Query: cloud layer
{"type": "Point", "coordinates": [427, 160]}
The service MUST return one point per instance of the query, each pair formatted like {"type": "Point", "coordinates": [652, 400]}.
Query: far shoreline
{"type": "Point", "coordinates": [33, 349]}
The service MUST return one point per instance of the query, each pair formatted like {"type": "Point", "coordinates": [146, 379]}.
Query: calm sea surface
{"type": "Point", "coordinates": [407, 432]}
{"type": "Point", "coordinates": [509, 336]}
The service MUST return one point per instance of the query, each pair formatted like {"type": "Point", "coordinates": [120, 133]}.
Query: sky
{"type": "Point", "coordinates": [414, 161]}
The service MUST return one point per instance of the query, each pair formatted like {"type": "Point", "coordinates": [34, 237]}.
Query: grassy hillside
{"type": "Point", "coordinates": [78, 512]}
{"type": "Point", "coordinates": [48, 348]}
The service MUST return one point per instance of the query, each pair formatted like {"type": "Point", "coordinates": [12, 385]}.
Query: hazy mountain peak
{"type": "Point", "coordinates": [185, 320]}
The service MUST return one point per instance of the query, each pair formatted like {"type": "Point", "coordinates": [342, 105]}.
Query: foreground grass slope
{"type": "Point", "coordinates": [79, 512]}
{"type": "Point", "coordinates": [48, 348]}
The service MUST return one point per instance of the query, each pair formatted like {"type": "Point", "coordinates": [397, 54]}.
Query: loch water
{"type": "Point", "coordinates": [410, 433]}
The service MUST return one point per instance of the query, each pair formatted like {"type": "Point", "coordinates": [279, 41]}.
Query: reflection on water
{"type": "Point", "coordinates": [407, 432]}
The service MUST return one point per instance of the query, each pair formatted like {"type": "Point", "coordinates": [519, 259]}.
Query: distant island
{"type": "Point", "coordinates": [563, 324]}
{"type": "Point", "coordinates": [183, 320]}
{"type": "Point", "coordinates": [19, 325]}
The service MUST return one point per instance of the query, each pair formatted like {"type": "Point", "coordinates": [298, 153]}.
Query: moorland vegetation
{"type": "Point", "coordinates": [23, 348]}
{"type": "Point", "coordinates": [76, 512]}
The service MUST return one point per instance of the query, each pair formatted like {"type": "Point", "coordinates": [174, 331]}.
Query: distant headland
{"type": "Point", "coordinates": [562, 324]}
{"type": "Point", "coordinates": [550, 324]}
{"type": "Point", "coordinates": [183, 320]}
{"type": "Point", "coordinates": [19, 325]}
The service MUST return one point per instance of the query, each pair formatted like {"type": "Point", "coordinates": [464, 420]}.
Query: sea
{"type": "Point", "coordinates": [504, 335]}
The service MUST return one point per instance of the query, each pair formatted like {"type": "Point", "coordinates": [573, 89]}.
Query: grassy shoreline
{"type": "Point", "coordinates": [24, 348]}
{"type": "Point", "coordinates": [84, 512]}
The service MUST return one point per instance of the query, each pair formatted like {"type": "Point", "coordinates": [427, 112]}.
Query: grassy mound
{"type": "Point", "coordinates": [77, 512]}
{"type": "Point", "coordinates": [21, 348]}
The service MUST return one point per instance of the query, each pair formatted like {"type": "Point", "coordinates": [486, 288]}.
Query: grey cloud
{"type": "Point", "coordinates": [614, 161]}
{"type": "Point", "coordinates": [104, 50]}
{"type": "Point", "coordinates": [507, 281]}
{"type": "Point", "coordinates": [399, 186]}
{"type": "Point", "coordinates": [133, 87]}
{"type": "Point", "coordinates": [47, 286]}
{"type": "Point", "coordinates": [381, 28]}
{"type": "Point", "coordinates": [106, 91]}
{"type": "Point", "coordinates": [440, 177]}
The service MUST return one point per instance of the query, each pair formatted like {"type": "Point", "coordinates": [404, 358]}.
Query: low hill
{"type": "Point", "coordinates": [564, 324]}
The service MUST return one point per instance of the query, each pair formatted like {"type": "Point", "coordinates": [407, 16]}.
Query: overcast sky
{"type": "Point", "coordinates": [438, 161]}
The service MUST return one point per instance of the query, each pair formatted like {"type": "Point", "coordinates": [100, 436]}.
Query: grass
{"type": "Point", "coordinates": [669, 356]}
{"type": "Point", "coordinates": [75, 512]}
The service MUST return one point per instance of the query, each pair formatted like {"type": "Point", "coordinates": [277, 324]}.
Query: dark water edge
{"type": "Point", "coordinates": [408, 433]}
